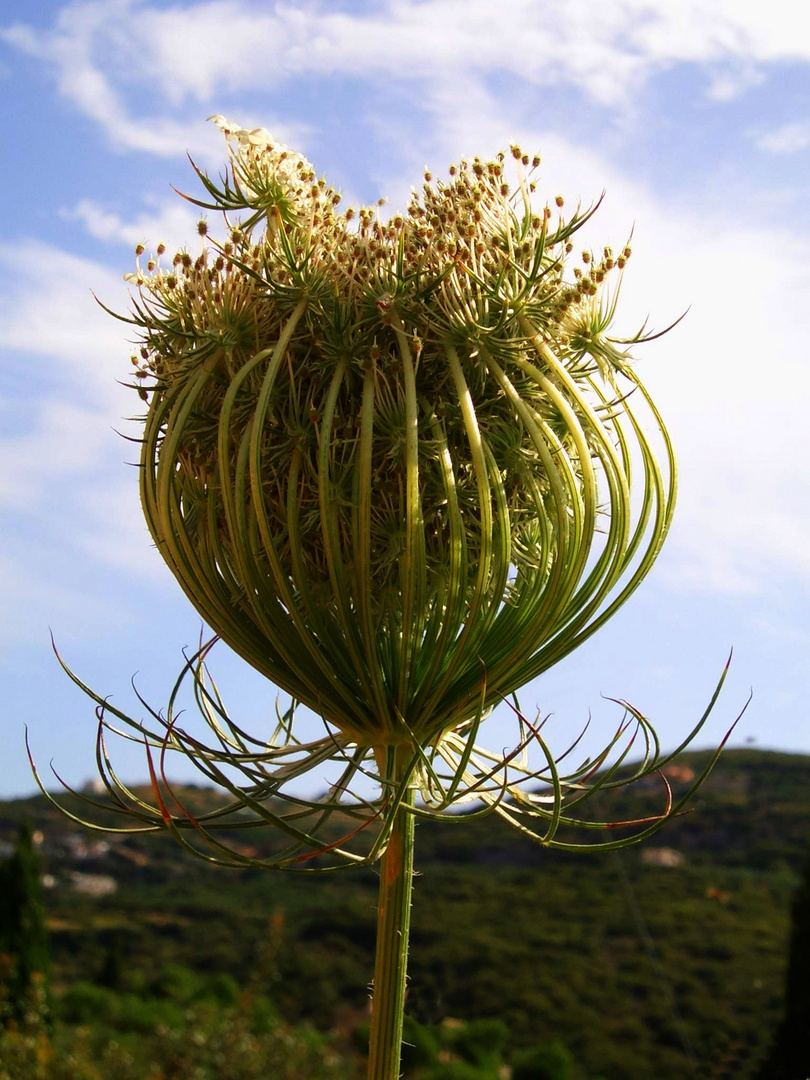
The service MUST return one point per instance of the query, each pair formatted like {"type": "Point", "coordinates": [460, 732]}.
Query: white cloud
{"type": "Point", "coordinates": [787, 139]}
{"type": "Point", "coordinates": [62, 460]}
{"type": "Point", "coordinates": [86, 38]}
{"type": "Point", "coordinates": [605, 49]}
{"type": "Point", "coordinates": [47, 310]}
{"type": "Point", "coordinates": [63, 440]}
{"type": "Point", "coordinates": [172, 223]}
{"type": "Point", "coordinates": [105, 52]}
{"type": "Point", "coordinates": [734, 389]}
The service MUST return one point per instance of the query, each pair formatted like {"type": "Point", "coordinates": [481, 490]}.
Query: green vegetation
{"type": "Point", "coordinates": [790, 1053]}
{"type": "Point", "coordinates": [104, 1035]}
{"type": "Point", "coordinates": [588, 981]}
{"type": "Point", "coordinates": [23, 937]}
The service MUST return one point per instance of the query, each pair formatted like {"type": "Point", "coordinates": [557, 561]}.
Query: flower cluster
{"type": "Point", "coordinates": [423, 404]}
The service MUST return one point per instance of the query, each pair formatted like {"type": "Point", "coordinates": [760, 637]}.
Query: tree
{"type": "Point", "coordinates": [549, 1062]}
{"type": "Point", "coordinates": [789, 1058]}
{"type": "Point", "coordinates": [23, 936]}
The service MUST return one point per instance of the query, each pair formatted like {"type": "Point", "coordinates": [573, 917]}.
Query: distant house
{"type": "Point", "coordinates": [93, 884]}
{"type": "Point", "coordinates": [662, 856]}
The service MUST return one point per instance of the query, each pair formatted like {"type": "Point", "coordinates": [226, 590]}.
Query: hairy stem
{"type": "Point", "coordinates": [391, 962]}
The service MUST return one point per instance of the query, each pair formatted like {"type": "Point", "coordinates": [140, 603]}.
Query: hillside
{"type": "Point", "coordinates": [669, 952]}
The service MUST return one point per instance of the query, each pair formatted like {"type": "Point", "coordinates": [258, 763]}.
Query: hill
{"type": "Point", "coordinates": [663, 961]}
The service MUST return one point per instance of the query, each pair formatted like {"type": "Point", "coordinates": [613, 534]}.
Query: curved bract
{"type": "Point", "coordinates": [545, 796]}
{"type": "Point", "coordinates": [391, 462]}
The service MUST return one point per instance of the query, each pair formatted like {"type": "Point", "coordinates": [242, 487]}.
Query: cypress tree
{"type": "Point", "coordinates": [789, 1058]}
{"type": "Point", "coordinates": [112, 973]}
{"type": "Point", "coordinates": [23, 936]}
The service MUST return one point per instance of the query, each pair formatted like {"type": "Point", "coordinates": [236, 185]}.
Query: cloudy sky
{"type": "Point", "coordinates": [692, 117]}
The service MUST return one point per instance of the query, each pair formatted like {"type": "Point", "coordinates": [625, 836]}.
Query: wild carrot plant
{"type": "Point", "coordinates": [401, 465]}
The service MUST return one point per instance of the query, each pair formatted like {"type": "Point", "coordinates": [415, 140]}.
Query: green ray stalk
{"type": "Point", "coordinates": [401, 466]}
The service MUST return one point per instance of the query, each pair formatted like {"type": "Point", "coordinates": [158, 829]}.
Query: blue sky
{"type": "Point", "coordinates": [693, 117]}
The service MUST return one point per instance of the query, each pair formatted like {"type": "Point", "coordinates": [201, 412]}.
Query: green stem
{"type": "Point", "coordinates": [391, 962]}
